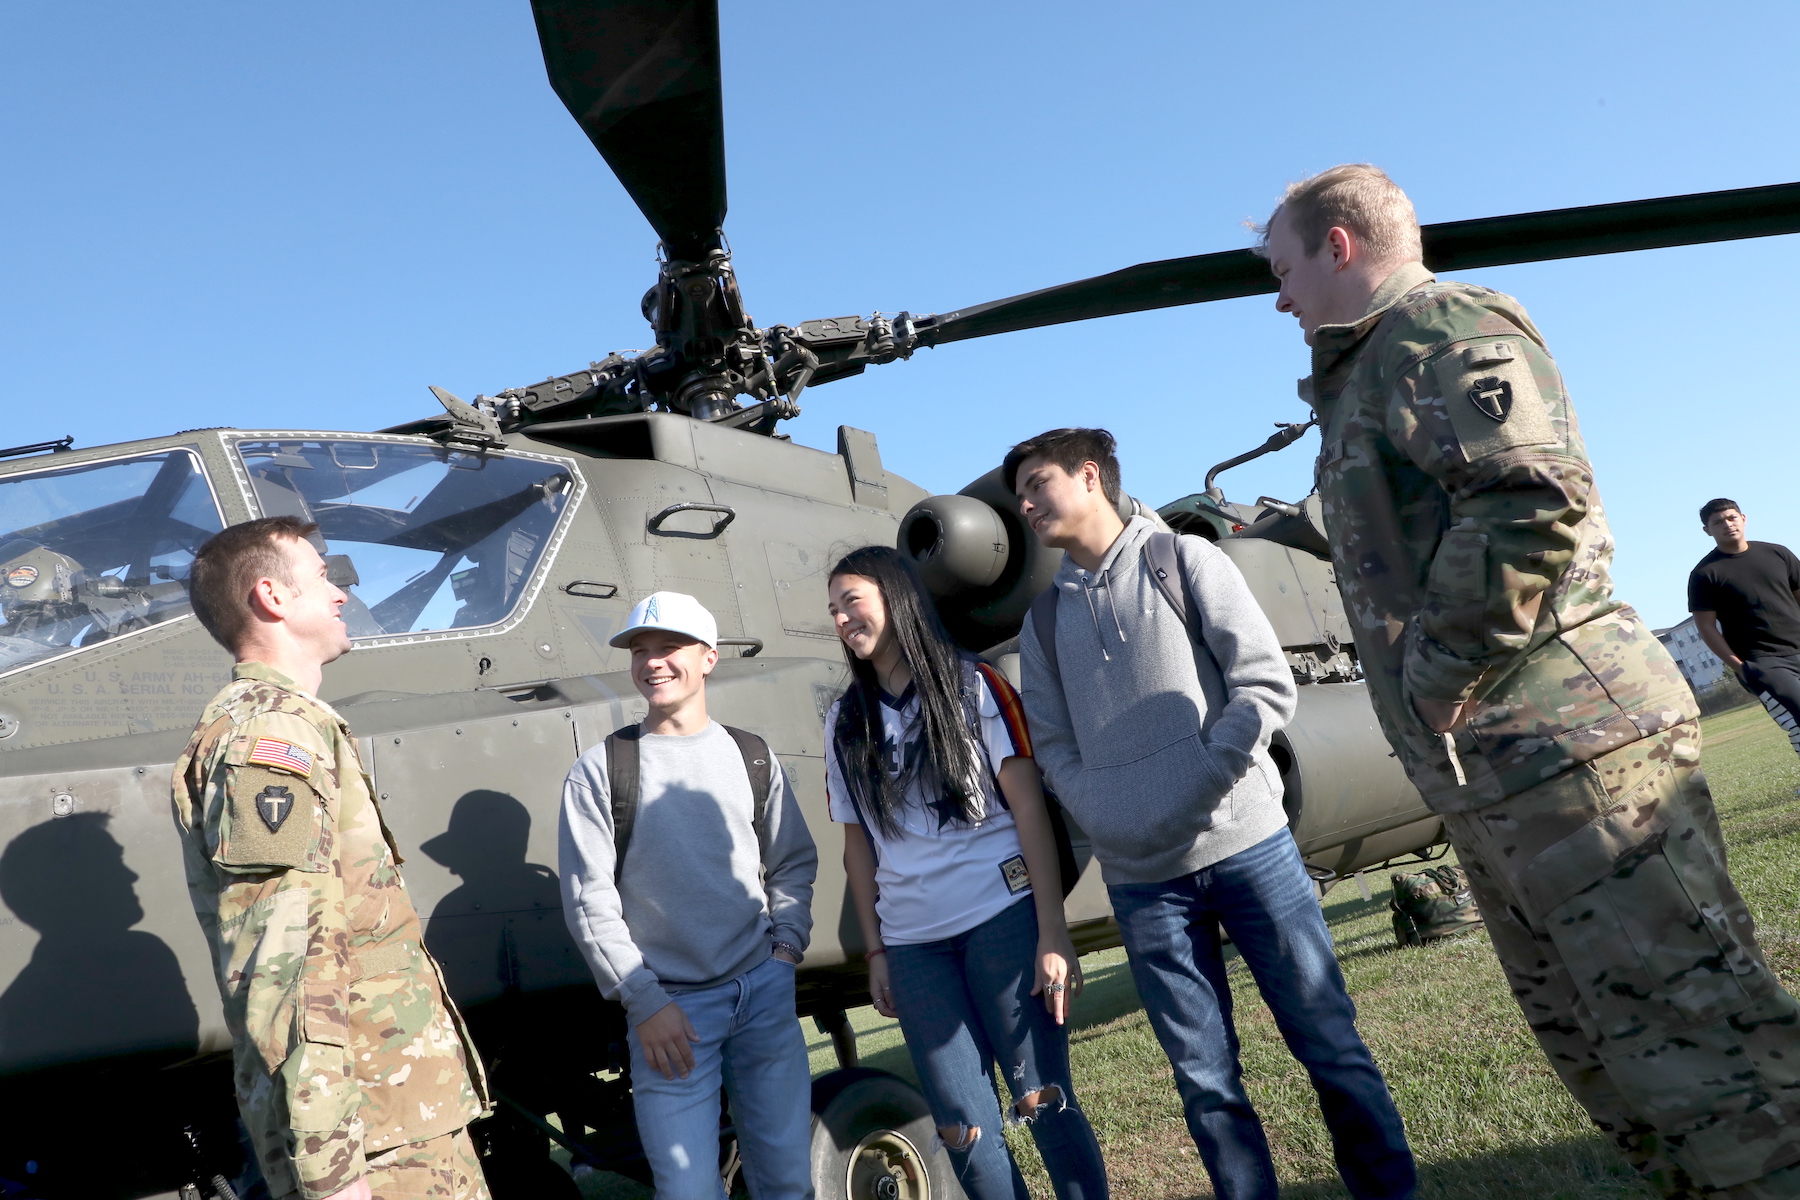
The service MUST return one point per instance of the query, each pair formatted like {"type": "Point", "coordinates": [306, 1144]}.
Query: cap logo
{"type": "Point", "coordinates": [651, 611]}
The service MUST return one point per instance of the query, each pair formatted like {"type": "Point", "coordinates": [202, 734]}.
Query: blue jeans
{"type": "Point", "coordinates": [1265, 902]}
{"type": "Point", "coordinates": [750, 1041]}
{"type": "Point", "coordinates": [965, 1002]}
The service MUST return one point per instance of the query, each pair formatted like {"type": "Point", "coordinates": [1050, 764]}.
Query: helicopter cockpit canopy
{"type": "Point", "coordinates": [92, 551]}
{"type": "Point", "coordinates": [421, 537]}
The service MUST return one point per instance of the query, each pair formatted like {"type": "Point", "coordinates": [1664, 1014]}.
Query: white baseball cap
{"type": "Point", "coordinates": [676, 612]}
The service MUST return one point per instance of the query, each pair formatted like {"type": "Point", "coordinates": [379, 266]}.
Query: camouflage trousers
{"type": "Point", "coordinates": [1635, 962]}
{"type": "Point", "coordinates": [445, 1167]}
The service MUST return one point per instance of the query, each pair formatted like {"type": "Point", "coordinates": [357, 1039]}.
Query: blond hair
{"type": "Point", "coordinates": [1357, 197]}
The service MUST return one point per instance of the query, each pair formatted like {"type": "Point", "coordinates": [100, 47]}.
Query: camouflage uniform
{"type": "Point", "coordinates": [1457, 490]}
{"type": "Point", "coordinates": [348, 1052]}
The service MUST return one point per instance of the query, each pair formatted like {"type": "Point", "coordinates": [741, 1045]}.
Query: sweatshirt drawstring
{"type": "Point", "coordinates": [1107, 581]}
{"type": "Point", "coordinates": [1094, 614]}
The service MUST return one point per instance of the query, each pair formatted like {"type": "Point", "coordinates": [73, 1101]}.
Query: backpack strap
{"type": "Point", "coordinates": [622, 782]}
{"type": "Point", "coordinates": [1163, 557]}
{"type": "Point", "coordinates": [1043, 623]}
{"type": "Point", "coordinates": [759, 765]}
{"type": "Point", "coordinates": [1013, 709]}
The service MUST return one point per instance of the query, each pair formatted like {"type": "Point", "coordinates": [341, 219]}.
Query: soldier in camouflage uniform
{"type": "Point", "coordinates": [1531, 708]}
{"type": "Point", "coordinates": [354, 1074]}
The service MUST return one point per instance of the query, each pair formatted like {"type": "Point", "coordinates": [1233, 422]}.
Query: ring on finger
{"type": "Point", "coordinates": [1055, 987]}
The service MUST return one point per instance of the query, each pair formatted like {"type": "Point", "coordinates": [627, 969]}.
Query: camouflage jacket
{"type": "Point", "coordinates": [344, 1042]}
{"type": "Point", "coordinates": [1456, 489]}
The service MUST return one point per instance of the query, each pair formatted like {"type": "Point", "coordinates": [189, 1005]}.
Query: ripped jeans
{"type": "Point", "coordinates": [965, 1003]}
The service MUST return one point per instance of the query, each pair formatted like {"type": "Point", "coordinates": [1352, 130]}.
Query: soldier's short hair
{"type": "Point", "coordinates": [1068, 449]}
{"type": "Point", "coordinates": [227, 567]}
{"type": "Point", "coordinates": [1713, 507]}
{"type": "Point", "coordinates": [1358, 197]}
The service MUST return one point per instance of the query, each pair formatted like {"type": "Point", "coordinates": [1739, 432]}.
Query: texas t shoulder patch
{"type": "Point", "coordinates": [283, 756]}
{"type": "Point", "coordinates": [273, 804]}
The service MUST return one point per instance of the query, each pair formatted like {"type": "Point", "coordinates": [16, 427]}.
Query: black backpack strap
{"type": "Point", "coordinates": [759, 765]}
{"type": "Point", "coordinates": [622, 782]}
{"type": "Point", "coordinates": [1043, 623]}
{"type": "Point", "coordinates": [1163, 557]}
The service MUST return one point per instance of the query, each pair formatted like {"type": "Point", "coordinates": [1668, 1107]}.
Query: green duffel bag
{"type": "Point", "coordinates": [1431, 905]}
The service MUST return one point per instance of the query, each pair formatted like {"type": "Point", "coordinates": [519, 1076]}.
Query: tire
{"type": "Point", "coordinates": [872, 1139]}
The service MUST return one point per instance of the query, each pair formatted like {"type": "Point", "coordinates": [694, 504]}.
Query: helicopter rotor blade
{"type": "Point", "coordinates": [1450, 246]}
{"type": "Point", "coordinates": [641, 78]}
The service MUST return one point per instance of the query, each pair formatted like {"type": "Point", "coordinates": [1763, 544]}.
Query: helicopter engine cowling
{"type": "Point", "coordinates": [955, 545]}
{"type": "Point", "coordinates": [958, 543]}
{"type": "Point", "coordinates": [953, 541]}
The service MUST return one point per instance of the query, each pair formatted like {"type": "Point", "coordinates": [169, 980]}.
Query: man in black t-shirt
{"type": "Point", "coordinates": [1745, 597]}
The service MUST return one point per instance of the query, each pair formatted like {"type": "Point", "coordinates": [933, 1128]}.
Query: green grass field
{"type": "Point", "coordinates": [1486, 1116]}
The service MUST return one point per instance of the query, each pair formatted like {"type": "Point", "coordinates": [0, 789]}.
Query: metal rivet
{"type": "Point", "coordinates": [384, 795]}
{"type": "Point", "coordinates": [459, 733]}
{"type": "Point", "coordinates": [396, 741]}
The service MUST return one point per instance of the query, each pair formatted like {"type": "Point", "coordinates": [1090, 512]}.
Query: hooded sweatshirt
{"type": "Point", "coordinates": [1156, 741]}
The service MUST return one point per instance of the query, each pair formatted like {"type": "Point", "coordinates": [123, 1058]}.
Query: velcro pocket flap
{"type": "Point", "coordinates": [383, 959]}
{"type": "Point", "coordinates": [271, 821]}
{"type": "Point", "coordinates": [1492, 399]}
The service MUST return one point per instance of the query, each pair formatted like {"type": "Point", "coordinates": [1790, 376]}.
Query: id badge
{"type": "Point", "coordinates": [1018, 879]}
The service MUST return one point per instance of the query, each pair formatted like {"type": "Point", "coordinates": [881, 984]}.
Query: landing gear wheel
{"type": "Point", "coordinates": [887, 1166]}
{"type": "Point", "coordinates": [872, 1140]}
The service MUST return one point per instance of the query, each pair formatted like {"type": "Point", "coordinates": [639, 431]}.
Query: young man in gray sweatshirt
{"type": "Point", "coordinates": [698, 928]}
{"type": "Point", "coordinates": [1154, 734]}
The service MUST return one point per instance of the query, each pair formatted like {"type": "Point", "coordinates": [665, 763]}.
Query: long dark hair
{"type": "Point", "coordinates": [948, 768]}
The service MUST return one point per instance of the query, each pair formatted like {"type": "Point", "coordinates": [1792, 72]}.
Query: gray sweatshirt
{"type": "Point", "coordinates": [699, 900]}
{"type": "Point", "coordinates": [1157, 747]}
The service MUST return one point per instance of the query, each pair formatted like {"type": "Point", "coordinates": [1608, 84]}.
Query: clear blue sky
{"type": "Point", "coordinates": [269, 215]}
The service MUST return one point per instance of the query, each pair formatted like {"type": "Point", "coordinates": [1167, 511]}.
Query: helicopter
{"type": "Point", "coordinates": [491, 549]}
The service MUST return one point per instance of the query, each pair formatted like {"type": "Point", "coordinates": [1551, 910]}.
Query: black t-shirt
{"type": "Point", "coordinates": [1753, 593]}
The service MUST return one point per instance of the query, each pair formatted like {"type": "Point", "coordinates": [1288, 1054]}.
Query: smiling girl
{"type": "Point", "coordinates": [952, 864]}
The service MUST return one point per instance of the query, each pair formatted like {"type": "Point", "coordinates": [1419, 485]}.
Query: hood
{"type": "Point", "coordinates": [1070, 577]}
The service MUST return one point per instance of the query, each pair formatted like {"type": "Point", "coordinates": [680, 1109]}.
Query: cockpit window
{"type": "Point", "coordinates": [93, 551]}
{"type": "Point", "coordinates": [421, 537]}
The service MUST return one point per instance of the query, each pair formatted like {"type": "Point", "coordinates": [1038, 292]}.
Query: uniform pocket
{"type": "Point", "coordinates": [325, 1014]}
{"type": "Point", "coordinates": [272, 820]}
{"type": "Point", "coordinates": [1459, 568]}
{"type": "Point", "coordinates": [1492, 398]}
{"type": "Point", "coordinates": [322, 1093]}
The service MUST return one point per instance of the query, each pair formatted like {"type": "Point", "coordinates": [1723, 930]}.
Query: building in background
{"type": "Point", "coordinates": [1715, 687]}
{"type": "Point", "coordinates": [1695, 658]}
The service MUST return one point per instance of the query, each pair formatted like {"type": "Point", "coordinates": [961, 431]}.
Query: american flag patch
{"type": "Point", "coordinates": [284, 756]}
